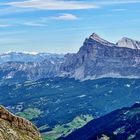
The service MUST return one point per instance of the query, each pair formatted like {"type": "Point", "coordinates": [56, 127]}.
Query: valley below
{"type": "Point", "coordinates": [58, 106]}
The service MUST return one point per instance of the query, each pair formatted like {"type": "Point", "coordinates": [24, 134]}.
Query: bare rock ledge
{"type": "Point", "coordinates": [16, 128]}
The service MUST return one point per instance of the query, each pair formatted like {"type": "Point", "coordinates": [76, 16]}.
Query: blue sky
{"type": "Point", "coordinates": [61, 26]}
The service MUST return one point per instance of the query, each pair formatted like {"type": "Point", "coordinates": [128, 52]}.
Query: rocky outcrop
{"type": "Point", "coordinates": [128, 43]}
{"type": "Point", "coordinates": [122, 124]}
{"type": "Point", "coordinates": [16, 128]}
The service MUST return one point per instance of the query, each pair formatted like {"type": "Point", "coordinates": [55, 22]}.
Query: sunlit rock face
{"type": "Point", "coordinates": [99, 58]}
{"type": "Point", "coordinates": [16, 128]}
{"type": "Point", "coordinates": [128, 43]}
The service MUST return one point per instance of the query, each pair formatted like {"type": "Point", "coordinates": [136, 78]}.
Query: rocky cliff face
{"type": "Point", "coordinates": [99, 58]}
{"type": "Point", "coordinates": [16, 128]}
{"type": "Point", "coordinates": [122, 124]}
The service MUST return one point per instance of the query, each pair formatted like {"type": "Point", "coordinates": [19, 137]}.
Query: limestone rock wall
{"type": "Point", "coordinates": [16, 127]}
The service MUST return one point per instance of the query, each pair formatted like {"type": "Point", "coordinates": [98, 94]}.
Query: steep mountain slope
{"type": "Point", "coordinates": [122, 124]}
{"type": "Point", "coordinates": [98, 58]}
{"type": "Point", "coordinates": [16, 128]}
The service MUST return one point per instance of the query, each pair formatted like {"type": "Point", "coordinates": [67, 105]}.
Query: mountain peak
{"type": "Point", "coordinates": [94, 35]}
{"type": "Point", "coordinates": [128, 43]}
{"type": "Point", "coordinates": [97, 38]}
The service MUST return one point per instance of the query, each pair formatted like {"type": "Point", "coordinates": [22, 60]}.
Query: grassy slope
{"type": "Point", "coordinates": [66, 129]}
{"type": "Point", "coordinates": [29, 113]}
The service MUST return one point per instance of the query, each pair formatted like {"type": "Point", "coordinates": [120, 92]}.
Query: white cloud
{"type": "Point", "coordinates": [66, 17]}
{"type": "Point", "coordinates": [11, 10]}
{"type": "Point", "coordinates": [34, 24]}
{"type": "Point", "coordinates": [5, 25]}
{"type": "Point", "coordinates": [52, 4]}
{"type": "Point", "coordinates": [38, 22]}
{"type": "Point", "coordinates": [16, 22]}
{"type": "Point", "coordinates": [31, 5]}
{"type": "Point", "coordinates": [114, 2]}
{"type": "Point", "coordinates": [119, 10]}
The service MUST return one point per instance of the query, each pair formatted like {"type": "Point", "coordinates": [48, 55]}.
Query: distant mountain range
{"type": "Point", "coordinates": [122, 124]}
{"type": "Point", "coordinates": [20, 67]}
{"type": "Point", "coordinates": [97, 58]}
{"type": "Point", "coordinates": [28, 57]}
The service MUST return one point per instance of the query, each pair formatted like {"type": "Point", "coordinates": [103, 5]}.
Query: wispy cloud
{"type": "Point", "coordinates": [52, 4]}
{"type": "Point", "coordinates": [11, 33]}
{"type": "Point", "coordinates": [135, 20]}
{"type": "Point", "coordinates": [34, 24]}
{"type": "Point", "coordinates": [38, 22]}
{"type": "Point", "coordinates": [119, 10]}
{"type": "Point", "coordinates": [16, 22]}
{"type": "Point", "coordinates": [114, 2]}
{"type": "Point", "coordinates": [33, 5]}
{"type": "Point", "coordinates": [5, 25]}
{"type": "Point", "coordinates": [65, 16]}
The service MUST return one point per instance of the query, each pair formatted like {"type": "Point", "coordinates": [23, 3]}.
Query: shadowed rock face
{"type": "Point", "coordinates": [122, 124]}
{"type": "Point", "coordinates": [16, 128]}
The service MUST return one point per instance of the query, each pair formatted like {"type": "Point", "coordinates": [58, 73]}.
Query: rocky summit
{"type": "Point", "coordinates": [129, 43]}
{"type": "Point", "coordinates": [99, 58]}
{"type": "Point", "coordinates": [121, 124]}
{"type": "Point", "coordinates": [16, 128]}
